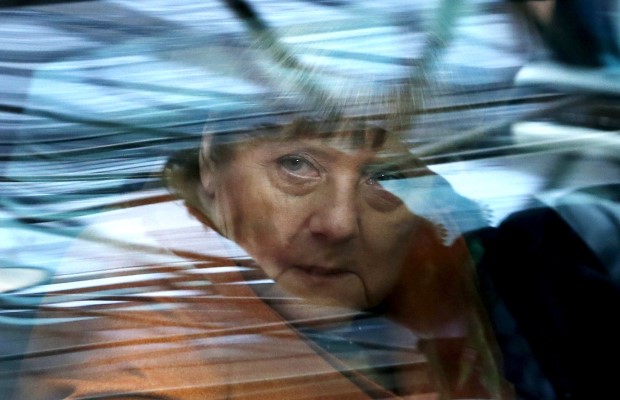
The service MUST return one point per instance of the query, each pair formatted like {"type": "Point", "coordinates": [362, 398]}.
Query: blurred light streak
{"type": "Point", "coordinates": [15, 278]}
{"type": "Point", "coordinates": [569, 78]}
{"type": "Point", "coordinates": [93, 284]}
{"type": "Point", "coordinates": [97, 95]}
{"type": "Point", "coordinates": [559, 138]}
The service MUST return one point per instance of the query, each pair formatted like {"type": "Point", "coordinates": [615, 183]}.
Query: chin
{"type": "Point", "coordinates": [343, 300]}
{"type": "Point", "coordinates": [343, 290]}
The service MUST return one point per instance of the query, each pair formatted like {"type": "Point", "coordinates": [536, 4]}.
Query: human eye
{"type": "Point", "coordinates": [397, 168]}
{"type": "Point", "coordinates": [377, 196]}
{"type": "Point", "coordinates": [298, 166]}
{"type": "Point", "coordinates": [377, 175]}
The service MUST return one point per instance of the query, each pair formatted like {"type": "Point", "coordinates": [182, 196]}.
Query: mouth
{"type": "Point", "coordinates": [324, 284]}
{"type": "Point", "coordinates": [319, 275]}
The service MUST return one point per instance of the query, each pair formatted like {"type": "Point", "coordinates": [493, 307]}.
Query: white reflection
{"type": "Point", "coordinates": [20, 277]}
{"type": "Point", "coordinates": [99, 283]}
{"type": "Point", "coordinates": [497, 184]}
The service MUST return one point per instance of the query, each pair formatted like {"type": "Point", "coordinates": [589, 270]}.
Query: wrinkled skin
{"type": "Point", "coordinates": [313, 214]}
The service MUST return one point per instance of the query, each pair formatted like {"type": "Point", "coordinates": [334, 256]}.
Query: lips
{"type": "Point", "coordinates": [319, 275]}
{"type": "Point", "coordinates": [324, 284]}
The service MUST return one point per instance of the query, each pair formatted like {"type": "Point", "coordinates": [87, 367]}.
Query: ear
{"type": "Point", "coordinates": [207, 189]}
{"type": "Point", "coordinates": [205, 193]}
{"type": "Point", "coordinates": [207, 178]}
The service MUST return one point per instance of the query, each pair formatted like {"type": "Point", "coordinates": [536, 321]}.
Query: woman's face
{"type": "Point", "coordinates": [313, 214]}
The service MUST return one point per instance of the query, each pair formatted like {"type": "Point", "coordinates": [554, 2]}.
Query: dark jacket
{"type": "Point", "coordinates": [554, 307]}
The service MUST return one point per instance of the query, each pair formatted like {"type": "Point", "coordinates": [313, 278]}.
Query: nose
{"type": "Point", "coordinates": [335, 217]}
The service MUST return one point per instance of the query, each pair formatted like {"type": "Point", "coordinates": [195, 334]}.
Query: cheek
{"type": "Point", "coordinates": [257, 218]}
{"type": "Point", "coordinates": [251, 222]}
{"type": "Point", "coordinates": [388, 233]}
{"type": "Point", "coordinates": [387, 244]}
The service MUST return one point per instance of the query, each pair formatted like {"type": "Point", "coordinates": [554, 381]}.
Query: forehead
{"type": "Point", "coordinates": [368, 141]}
{"type": "Point", "coordinates": [344, 134]}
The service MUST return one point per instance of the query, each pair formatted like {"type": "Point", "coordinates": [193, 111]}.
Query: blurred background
{"type": "Point", "coordinates": [96, 95]}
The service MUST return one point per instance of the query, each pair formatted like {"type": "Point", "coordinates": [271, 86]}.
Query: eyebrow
{"type": "Point", "coordinates": [358, 134]}
{"type": "Point", "coordinates": [407, 163]}
{"type": "Point", "coordinates": [314, 150]}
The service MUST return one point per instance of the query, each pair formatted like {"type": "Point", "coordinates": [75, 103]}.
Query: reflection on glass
{"type": "Point", "coordinates": [320, 258]}
{"type": "Point", "coordinates": [16, 278]}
